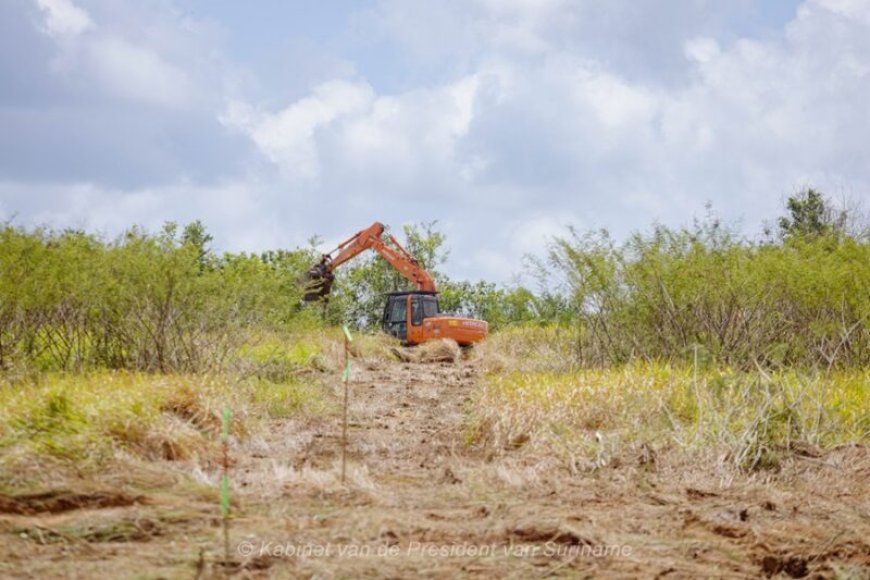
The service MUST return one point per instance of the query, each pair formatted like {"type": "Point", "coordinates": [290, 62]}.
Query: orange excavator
{"type": "Point", "coordinates": [413, 317]}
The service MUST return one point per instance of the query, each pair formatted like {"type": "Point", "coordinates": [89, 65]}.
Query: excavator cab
{"type": "Point", "coordinates": [404, 308]}
{"type": "Point", "coordinates": [415, 317]}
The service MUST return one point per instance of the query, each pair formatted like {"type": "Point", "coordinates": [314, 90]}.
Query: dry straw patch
{"type": "Point", "coordinates": [443, 350]}
{"type": "Point", "coordinates": [532, 397]}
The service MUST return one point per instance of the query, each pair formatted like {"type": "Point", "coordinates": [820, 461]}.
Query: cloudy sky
{"type": "Point", "coordinates": [504, 120]}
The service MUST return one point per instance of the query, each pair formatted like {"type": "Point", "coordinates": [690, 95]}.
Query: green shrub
{"type": "Point", "coordinates": [671, 293]}
{"type": "Point", "coordinates": [164, 302]}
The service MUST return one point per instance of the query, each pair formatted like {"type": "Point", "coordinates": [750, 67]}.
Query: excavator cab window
{"type": "Point", "coordinates": [395, 317]}
{"type": "Point", "coordinates": [416, 311]}
{"type": "Point", "coordinates": [430, 306]}
{"type": "Point", "coordinates": [398, 313]}
{"type": "Point", "coordinates": [423, 307]}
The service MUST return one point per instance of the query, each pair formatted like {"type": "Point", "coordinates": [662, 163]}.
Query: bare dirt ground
{"type": "Point", "coordinates": [419, 501]}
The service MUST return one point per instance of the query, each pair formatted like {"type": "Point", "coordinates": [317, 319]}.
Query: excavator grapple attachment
{"type": "Point", "coordinates": [317, 282]}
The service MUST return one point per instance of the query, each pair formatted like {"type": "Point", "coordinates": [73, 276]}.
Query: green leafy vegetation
{"type": "Point", "coordinates": [658, 296]}
{"type": "Point", "coordinates": [703, 336]}
{"type": "Point", "coordinates": [165, 302]}
{"type": "Point", "coordinates": [733, 351]}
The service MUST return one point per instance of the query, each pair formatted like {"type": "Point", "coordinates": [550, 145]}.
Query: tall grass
{"type": "Point", "coordinates": [91, 415]}
{"type": "Point", "coordinates": [744, 419]}
{"type": "Point", "coordinates": [89, 419]}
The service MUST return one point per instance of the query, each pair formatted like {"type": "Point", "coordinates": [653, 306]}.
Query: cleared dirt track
{"type": "Point", "coordinates": [420, 501]}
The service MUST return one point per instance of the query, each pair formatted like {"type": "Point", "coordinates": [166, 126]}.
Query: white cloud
{"type": "Point", "coordinates": [346, 125]}
{"type": "Point", "coordinates": [852, 9]}
{"type": "Point", "coordinates": [528, 115]}
{"type": "Point", "coordinates": [522, 25]}
{"type": "Point", "coordinates": [239, 213]}
{"type": "Point", "coordinates": [118, 65]}
{"type": "Point", "coordinates": [63, 18]}
{"type": "Point", "coordinates": [564, 137]}
{"type": "Point", "coordinates": [287, 138]}
{"type": "Point", "coordinates": [406, 136]}
{"type": "Point", "coordinates": [702, 49]}
{"type": "Point", "coordinates": [532, 234]}
{"type": "Point", "coordinates": [138, 73]}
{"type": "Point", "coordinates": [614, 102]}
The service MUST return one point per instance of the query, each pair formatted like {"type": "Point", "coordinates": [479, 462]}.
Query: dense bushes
{"type": "Point", "coordinates": [69, 300]}
{"type": "Point", "coordinates": [801, 300]}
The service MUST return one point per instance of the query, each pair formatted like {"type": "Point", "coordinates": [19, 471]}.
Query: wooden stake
{"type": "Point", "coordinates": [225, 487]}
{"type": "Point", "coordinates": [346, 379]}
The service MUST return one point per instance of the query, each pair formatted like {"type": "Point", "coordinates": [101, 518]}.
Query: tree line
{"type": "Point", "coordinates": [156, 302]}
{"type": "Point", "coordinates": [166, 301]}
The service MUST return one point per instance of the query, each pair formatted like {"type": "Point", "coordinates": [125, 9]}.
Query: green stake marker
{"type": "Point", "coordinates": [347, 332]}
{"type": "Point", "coordinates": [225, 496]}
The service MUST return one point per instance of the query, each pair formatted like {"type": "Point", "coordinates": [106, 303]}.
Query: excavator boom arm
{"type": "Point", "coordinates": [353, 246]}
{"type": "Point", "coordinates": [320, 276]}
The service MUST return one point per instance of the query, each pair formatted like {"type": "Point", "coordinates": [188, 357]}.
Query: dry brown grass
{"type": "Point", "coordinates": [533, 397]}
{"type": "Point", "coordinates": [84, 423]}
{"type": "Point", "coordinates": [531, 456]}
